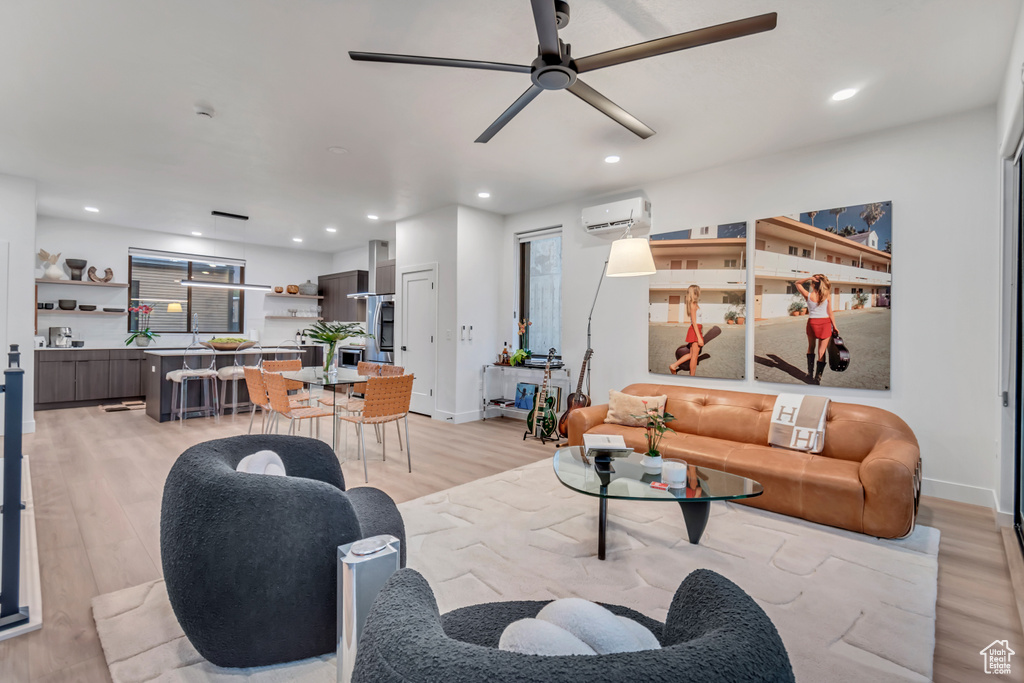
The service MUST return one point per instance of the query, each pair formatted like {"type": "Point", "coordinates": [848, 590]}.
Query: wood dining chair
{"type": "Point", "coordinates": [283, 406]}
{"type": "Point", "coordinates": [353, 405]}
{"type": "Point", "coordinates": [387, 400]}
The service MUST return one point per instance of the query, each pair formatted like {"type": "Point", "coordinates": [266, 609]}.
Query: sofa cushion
{"type": "Point", "coordinates": [623, 407]}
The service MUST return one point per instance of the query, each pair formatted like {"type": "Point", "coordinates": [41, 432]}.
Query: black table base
{"type": "Point", "coordinates": [695, 513]}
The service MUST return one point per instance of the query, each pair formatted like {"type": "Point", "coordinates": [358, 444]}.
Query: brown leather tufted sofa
{"type": "Point", "coordinates": [867, 479]}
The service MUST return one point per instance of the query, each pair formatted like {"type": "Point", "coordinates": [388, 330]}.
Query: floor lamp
{"type": "Point", "coordinates": [629, 257]}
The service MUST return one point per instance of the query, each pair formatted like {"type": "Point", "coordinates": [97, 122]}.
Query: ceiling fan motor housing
{"type": "Point", "coordinates": [552, 72]}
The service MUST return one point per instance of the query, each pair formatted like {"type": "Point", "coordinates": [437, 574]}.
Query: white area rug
{"type": "Point", "coordinates": [848, 607]}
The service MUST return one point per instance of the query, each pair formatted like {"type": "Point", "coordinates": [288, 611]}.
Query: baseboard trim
{"type": "Point", "coordinates": [458, 418]}
{"type": "Point", "coordinates": [962, 493]}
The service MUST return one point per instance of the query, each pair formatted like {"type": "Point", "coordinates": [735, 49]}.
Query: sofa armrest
{"type": "Point", "coordinates": [889, 475]}
{"type": "Point", "coordinates": [582, 420]}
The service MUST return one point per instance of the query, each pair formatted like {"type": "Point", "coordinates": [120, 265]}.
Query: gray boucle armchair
{"type": "Point", "coordinates": [250, 560]}
{"type": "Point", "coordinates": [715, 633]}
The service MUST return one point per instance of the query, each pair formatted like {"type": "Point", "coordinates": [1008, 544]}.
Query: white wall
{"type": "Point", "coordinates": [480, 237]}
{"type": "Point", "coordinates": [107, 246]}
{"type": "Point", "coordinates": [940, 176]}
{"type": "Point", "coordinates": [431, 238]}
{"type": "Point", "coordinates": [17, 228]}
{"type": "Point", "coordinates": [351, 259]}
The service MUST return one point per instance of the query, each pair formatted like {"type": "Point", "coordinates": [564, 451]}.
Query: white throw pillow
{"type": "Point", "coordinates": [573, 626]}
{"type": "Point", "coordinates": [262, 462]}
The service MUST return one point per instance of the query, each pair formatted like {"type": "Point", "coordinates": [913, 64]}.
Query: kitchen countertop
{"type": "Point", "coordinates": [150, 349]}
{"type": "Point", "coordinates": [243, 352]}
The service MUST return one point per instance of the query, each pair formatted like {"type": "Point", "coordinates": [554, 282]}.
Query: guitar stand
{"type": "Point", "coordinates": [544, 439]}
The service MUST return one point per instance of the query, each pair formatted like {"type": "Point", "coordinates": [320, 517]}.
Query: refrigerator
{"type": "Point", "coordinates": [380, 322]}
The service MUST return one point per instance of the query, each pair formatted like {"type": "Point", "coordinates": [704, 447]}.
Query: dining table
{"type": "Point", "coordinates": [329, 380]}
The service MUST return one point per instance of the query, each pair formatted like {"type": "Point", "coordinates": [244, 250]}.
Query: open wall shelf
{"type": "Point", "coordinates": [294, 296]}
{"type": "Point", "coordinates": [81, 283]}
{"type": "Point", "coordinates": [58, 311]}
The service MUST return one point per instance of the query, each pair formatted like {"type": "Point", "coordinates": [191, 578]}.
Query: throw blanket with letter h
{"type": "Point", "coordinates": [798, 423]}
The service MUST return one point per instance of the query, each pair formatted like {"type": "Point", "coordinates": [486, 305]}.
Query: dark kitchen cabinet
{"type": "Point", "coordinates": [125, 378]}
{"type": "Point", "coordinates": [92, 380]}
{"type": "Point", "coordinates": [55, 381]}
{"type": "Point", "coordinates": [385, 277]}
{"type": "Point", "coordinates": [336, 287]}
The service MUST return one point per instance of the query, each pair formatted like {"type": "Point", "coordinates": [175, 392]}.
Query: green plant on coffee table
{"type": "Point", "coordinates": [655, 424]}
{"type": "Point", "coordinates": [332, 334]}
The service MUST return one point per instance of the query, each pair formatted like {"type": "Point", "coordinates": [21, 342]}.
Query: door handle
{"type": "Point", "coordinates": [404, 349]}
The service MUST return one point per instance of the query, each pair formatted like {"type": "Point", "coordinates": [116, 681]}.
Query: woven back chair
{"type": "Point", "coordinates": [257, 394]}
{"type": "Point", "coordinates": [391, 371]}
{"type": "Point", "coordinates": [285, 367]}
{"type": "Point", "coordinates": [387, 400]}
{"type": "Point", "coordinates": [283, 404]}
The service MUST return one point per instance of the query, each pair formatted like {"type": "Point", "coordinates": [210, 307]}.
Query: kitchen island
{"type": "Point", "coordinates": [158, 362]}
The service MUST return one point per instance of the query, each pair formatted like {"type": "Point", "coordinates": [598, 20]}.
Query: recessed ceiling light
{"type": "Point", "coordinates": [844, 94]}
{"type": "Point", "coordinates": [296, 239]}
{"type": "Point", "coordinates": [483, 195]}
{"type": "Point", "coordinates": [196, 233]}
{"type": "Point", "coordinates": [372, 217]}
{"type": "Point", "coordinates": [331, 229]}
{"type": "Point", "coordinates": [337, 150]}
{"type": "Point", "coordinates": [612, 159]}
{"type": "Point", "coordinates": [92, 209]}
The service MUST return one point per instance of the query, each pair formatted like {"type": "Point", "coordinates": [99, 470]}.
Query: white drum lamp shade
{"type": "Point", "coordinates": [174, 308]}
{"type": "Point", "coordinates": [630, 257]}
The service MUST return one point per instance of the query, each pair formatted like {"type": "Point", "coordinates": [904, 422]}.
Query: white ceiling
{"type": "Point", "coordinates": [98, 101]}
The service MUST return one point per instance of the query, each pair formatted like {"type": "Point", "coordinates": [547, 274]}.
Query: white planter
{"type": "Point", "coordinates": [651, 465]}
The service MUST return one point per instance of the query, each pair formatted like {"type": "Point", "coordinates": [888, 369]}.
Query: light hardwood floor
{"type": "Point", "coordinates": [98, 477]}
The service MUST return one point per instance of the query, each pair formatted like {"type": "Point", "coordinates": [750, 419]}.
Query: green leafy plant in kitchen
{"type": "Point", "coordinates": [143, 335]}
{"type": "Point", "coordinates": [332, 334]}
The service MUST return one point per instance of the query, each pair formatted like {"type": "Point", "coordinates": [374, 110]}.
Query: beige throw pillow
{"type": "Point", "coordinates": [622, 407]}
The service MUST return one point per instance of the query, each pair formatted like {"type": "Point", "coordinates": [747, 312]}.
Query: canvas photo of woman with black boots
{"type": "Point", "coordinates": [816, 273]}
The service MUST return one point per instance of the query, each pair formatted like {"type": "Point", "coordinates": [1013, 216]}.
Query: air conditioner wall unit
{"type": "Point", "coordinates": [614, 217]}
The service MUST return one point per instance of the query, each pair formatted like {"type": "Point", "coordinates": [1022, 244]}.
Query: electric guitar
{"type": "Point", "coordinates": [543, 420]}
{"type": "Point", "coordinates": [576, 399]}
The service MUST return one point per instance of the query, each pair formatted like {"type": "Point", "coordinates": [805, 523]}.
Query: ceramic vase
{"type": "Point", "coordinates": [143, 341]}
{"type": "Point", "coordinates": [53, 272]}
{"type": "Point", "coordinates": [651, 464]}
{"type": "Point", "coordinates": [308, 288]}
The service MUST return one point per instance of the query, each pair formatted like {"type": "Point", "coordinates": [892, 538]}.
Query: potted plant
{"type": "Point", "coordinates": [143, 336]}
{"type": "Point", "coordinates": [730, 317]}
{"type": "Point", "coordinates": [797, 307]}
{"type": "Point", "coordinates": [518, 356]}
{"type": "Point", "coordinates": [332, 334]}
{"type": "Point", "coordinates": [859, 299]}
{"type": "Point", "coordinates": [524, 338]}
{"type": "Point", "coordinates": [655, 424]}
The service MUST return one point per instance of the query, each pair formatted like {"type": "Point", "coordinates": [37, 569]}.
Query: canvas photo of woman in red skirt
{"type": "Point", "coordinates": [821, 322]}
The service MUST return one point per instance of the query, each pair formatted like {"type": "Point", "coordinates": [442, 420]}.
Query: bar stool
{"type": "Point", "coordinates": [234, 374]}
{"type": "Point", "coordinates": [206, 376]}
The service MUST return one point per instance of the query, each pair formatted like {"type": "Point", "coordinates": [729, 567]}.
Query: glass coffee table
{"type": "Point", "coordinates": [626, 479]}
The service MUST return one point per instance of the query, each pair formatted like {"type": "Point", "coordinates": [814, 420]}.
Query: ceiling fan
{"type": "Point", "coordinates": [556, 69]}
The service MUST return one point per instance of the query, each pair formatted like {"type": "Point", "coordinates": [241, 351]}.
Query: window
{"type": "Point", "coordinates": [730, 263]}
{"type": "Point", "coordinates": [706, 230]}
{"type": "Point", "coordinates": [793, 251]}
{"type": "Point", "coordinates": [725, 299]}
{"type": "Point", "coordinates": [540, 288]}
{"type": "Point", "coordinates": [155, 276]}
{"type": "Point", "coordinates": [791, 289]}
{"type": "Point", "coordinates": [806, 253]}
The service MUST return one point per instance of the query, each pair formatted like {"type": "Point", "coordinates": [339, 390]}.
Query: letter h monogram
{"type": "Point", "coordinates": [787, 414]}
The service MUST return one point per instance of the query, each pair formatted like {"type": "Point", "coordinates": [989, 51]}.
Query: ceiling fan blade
{"type": "Point", "coordinates": [610, 109]}
{"type": "Point", "coordinates": [509, 113]}
{"type": "Point", "coordinates": [680, 41]}
{"type": "Point", "coordinates": [437, 61]}
{"type": "Point", "coordinates": [547, 26]}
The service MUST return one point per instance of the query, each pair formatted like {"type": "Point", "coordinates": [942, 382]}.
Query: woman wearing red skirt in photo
{"type": "Point", "coordinates": [821, 322]}
{"type": "Point", "coordinates": [694, 335]}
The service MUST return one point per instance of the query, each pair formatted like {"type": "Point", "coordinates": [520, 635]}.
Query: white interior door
{"type": "Point", "coordinates": [419, 334]}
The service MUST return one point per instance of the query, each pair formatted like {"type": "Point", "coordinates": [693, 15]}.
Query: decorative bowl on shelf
{"type": "Point", "coordinates": [67, 304]}
{"type": "Point", "coordinates": [293, 289]}
{"type": "Point", "coordinates": [113, 310]}
{"type": "Point", "coordinates": [86, 307]}
{"type": "Point", "coordinates": [76, 265]}
{"type": "Point", "coordinates": [77, 344]}
{"type": "Point", "coordinates": [278, 290]}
